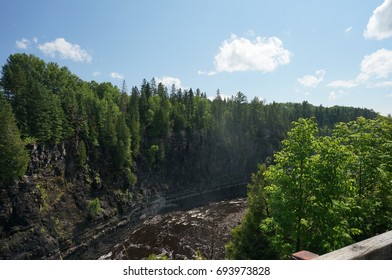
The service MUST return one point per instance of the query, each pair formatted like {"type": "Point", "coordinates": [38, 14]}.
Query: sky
{"type": "Point", "coordinates": [336, 52]}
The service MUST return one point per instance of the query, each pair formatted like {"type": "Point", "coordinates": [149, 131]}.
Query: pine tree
{"type": "Point", "coordinates": [13, 155]}
{"type": "Point", "coordinates": [134, 121]}
{"type": "Point", "coordinates": [249, 242]}
{"type": "Point", "coordinates": [124, 100]}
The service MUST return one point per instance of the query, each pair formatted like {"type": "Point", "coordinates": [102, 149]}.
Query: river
{"type": "Point", "coordinates": [182, 234]}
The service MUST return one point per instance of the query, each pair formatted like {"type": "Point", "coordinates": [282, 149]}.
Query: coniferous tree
{"type": "Point", "coordinates": [124, 98]}
{"type": "Point", "coordinates": [13, 155]}
{"type": "Point", "coordinates": [21, 77]}
{"type": "Point", "coordinates": [134, 121]}
{"type": "Point", "coordinates": [248, 241]}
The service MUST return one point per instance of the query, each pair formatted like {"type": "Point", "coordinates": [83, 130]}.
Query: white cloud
{"type": "Point", "coordinates": [343, 83]}
{"type": "Point", "coordinates": [380, 23]}
{"type": "Point", "coordinates": [241, 54]}
{"type": "Point", "coordinates": [332, 95]}
{"type": "Point", "coordinates": [22, 44]}
{"type": "Point", "coordinates": [65, 50]}
{"type": "Point", "coordinates": [336, 94]}
{"type": "Point", "coordinates": [348, 29]}
{"type": "Point", "coordinates": [384, 84]}
{"type": "Point", "coordinates": [312, 80]}
{"type": "Point", "coordinates": [376, 65]}
{"type": "Point", "coordinates": [388, 95]}
{"type": "Point", "coordinates": [96, 73]}
{"type": "Point", "coordinates": [35, 40]}
{"type": "Point", "coordinates": [207, 73]}
{"type": "Point", "coordinates": [169, 81]}
{"type": "Point", "coordinates": [117, 76]}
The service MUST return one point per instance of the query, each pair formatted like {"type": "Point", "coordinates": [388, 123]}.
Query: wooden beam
{"type": "Point", "coordinates": [376, 248]}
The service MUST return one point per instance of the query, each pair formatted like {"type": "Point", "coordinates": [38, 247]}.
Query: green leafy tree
{"type": "Point", "coordinates": [310, 193]}
{"type": "Point", "coordinates": [290, 186]}
{"type": "Point", "coordinates": [331, 203]}
{"type": "Point", "coordinates": [370, 141]}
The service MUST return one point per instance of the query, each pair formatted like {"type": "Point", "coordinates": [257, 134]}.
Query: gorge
{"type": "Point", "coordinates": [94, 161]}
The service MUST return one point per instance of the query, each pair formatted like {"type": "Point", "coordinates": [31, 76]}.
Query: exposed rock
{"type": "Point", "coordinates": [43, 216]}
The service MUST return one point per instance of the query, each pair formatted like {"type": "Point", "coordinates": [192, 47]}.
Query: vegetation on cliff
{"type": "Point", "coordinates": [321, 192]}
{"type": "Point", "coordinates": [114, 129]}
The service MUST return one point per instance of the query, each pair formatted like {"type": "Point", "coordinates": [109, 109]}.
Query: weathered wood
{"type": "Point", "coordinates": [304, 255]}
{"type": "Point", "coordinates": [376, 248]}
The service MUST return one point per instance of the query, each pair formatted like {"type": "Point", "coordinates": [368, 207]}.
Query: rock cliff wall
{"type": "Point", "coordinates": [45, 215]}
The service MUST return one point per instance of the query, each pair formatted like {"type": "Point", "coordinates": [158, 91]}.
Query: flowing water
{"type": "Point", "coordinates": [183, 234]}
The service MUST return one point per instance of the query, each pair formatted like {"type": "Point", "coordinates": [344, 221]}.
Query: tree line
{"type": "Point", "coordinates": [176, 136]}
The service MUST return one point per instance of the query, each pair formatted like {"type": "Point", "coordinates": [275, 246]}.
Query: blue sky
{"type": "Point", "coordinates": [324, 52]}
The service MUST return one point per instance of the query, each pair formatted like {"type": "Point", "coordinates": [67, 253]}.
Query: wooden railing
{"type": "Point", "coordinates": [376, 248]}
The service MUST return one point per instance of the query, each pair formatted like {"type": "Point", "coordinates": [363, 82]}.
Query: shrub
{"type": "Point", "coordinates": [93, 208]}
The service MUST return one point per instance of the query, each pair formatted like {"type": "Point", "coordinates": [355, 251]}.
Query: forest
{"type": "Point", "coordinates": [311, 165]}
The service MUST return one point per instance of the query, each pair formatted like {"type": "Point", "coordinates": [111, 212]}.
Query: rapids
{"type": "Point", "coordinates": [182, 234]}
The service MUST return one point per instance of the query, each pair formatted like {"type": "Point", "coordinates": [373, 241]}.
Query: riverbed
{"type": "Point", "coordinates": [201, 231]}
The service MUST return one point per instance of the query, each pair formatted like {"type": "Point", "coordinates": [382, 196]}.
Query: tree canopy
{"type": "Point", "coordinates": [322, 192]}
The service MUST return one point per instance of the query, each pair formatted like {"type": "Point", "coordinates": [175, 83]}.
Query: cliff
{"type": "Point", "coordinates": [45, 215]}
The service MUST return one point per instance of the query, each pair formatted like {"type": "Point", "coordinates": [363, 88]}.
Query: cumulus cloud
{"type": "Point", "coordinates": [22, 44]}
{"type": "Point", "coordinates": [117, 76]}
{"type": "Point", "coordinates": [380, 23]}
{"type": "Point", "coordinates": [312, 80]}
{"type": "Point", "coordinates": [376, 65]}
{"type": "Point", "coordinates": [241, 54]}
{"type": "Point", "coordinates": [168, 81]}
{"type": "Point", "coordinates": [65, 50]}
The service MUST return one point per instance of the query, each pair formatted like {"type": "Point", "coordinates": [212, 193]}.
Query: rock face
{"type": "Point", "coordinates": [44, 215]}
{"type": "Point", "coordinates": [24, 234]}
